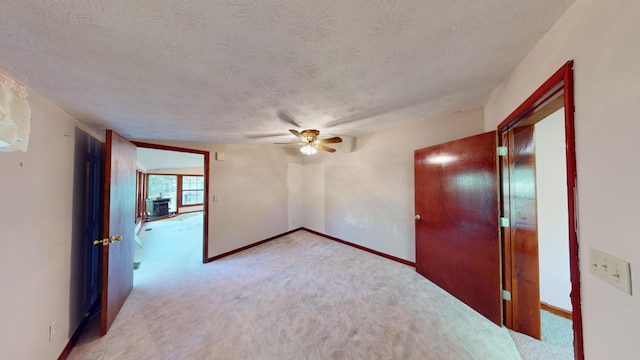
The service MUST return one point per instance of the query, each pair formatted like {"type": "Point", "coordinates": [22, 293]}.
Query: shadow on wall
{"type": "Point", "coordinates": [86, 225]}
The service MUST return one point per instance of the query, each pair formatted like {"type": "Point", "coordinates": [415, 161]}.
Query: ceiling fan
{"type": "Point", "coordinates": [310, 142]}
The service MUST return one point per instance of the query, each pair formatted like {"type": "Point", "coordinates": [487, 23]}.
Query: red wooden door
{"type": "Point", "coordinates": [522, 270]}
{"type": "Point", "coordinates": [457, 244]}
{"type": "Point", "coordinates": [119, 220]}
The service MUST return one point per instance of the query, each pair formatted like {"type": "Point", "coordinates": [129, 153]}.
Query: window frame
{"type": "Point", "coordinates": [177, 205]}
{"type": "Point", "coordinates": [181, 190]}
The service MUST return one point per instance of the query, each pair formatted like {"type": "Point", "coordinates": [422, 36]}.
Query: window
{"type": "Point", "coordinates": [192, 190]}
{"type": "Point", "coordinates": [141, 191]}
{"type": "Point", "coordinates": [164, 186]}
{"type": "Point", "coordinates": [183, 190]}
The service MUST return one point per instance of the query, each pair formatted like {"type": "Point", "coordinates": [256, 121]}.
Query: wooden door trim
{"type": "Point", "coordinates": [521, 236]}
{"type": "Point", "coordinates": [556, 310]}
{"type": "Point", "coordinates": [205, 228]}
{"type": "Point", "coordinates": [562, 78]}
{"type": "Point", "coordinates": [360, 247]}
{"type": "Point", "coordinates": [564, 74]}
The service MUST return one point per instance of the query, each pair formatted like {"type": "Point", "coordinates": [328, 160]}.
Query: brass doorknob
{"type": "Point", "coordinates": [417, 217]}
{"type": "Point", "coordinates": [107, 241]}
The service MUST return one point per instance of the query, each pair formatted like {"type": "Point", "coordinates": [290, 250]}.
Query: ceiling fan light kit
{"type": "Point", "coordinates": [310, 142]}
{"type": "Point", "coordinates": [308, 150]}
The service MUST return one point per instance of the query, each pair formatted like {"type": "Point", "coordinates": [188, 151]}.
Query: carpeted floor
{"type": "Point", "coordinates": [297, 297]}
{"type": "Point", "coordinates": [557, 340]}
{"type": "Point", "coordinates": [556, 330]}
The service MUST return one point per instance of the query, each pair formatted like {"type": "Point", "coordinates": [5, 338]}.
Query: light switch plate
{"type": "Point", "coordinates": [611, 269]}
{"type": "Point", "coordinates": [52, 331]}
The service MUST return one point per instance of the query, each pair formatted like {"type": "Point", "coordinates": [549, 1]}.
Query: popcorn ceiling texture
{"type": "Point", "coordinates": [220, 71]}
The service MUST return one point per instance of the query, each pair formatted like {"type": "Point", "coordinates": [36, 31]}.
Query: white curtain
{"type": "Point", "coordinates": [15, 115]}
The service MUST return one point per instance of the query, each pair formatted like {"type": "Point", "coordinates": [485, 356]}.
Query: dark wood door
{"type": "Point", "coordinates": [119, 220]}
{"type": "Point", "coordinates": [522, 273]}
{"type": "Point", "coordinates": [457, 244]}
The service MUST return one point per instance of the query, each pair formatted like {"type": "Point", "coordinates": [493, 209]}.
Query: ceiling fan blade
{"type": "Point", "coordinates": [284, 116]}
{"type": "Point", "coordinates": [333, 140]}
{"type": "Point", "coordinates": [299, 135]}
{"type": "Point", "coordinates": [292, 143]}
{"type": "Point", "coordinates": [260, 136]}
{"type": "Point", "coordinates": [325, 148]}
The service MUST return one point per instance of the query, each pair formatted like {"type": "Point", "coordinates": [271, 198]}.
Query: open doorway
{"type": "Point", "coordinates": [123, 193]}
{"type": "Point", "coordinates": [540, 245]}
{"type": "Point", "coordinates": [556, 310]}
{"type": "Point", "coordinates": [172, 193]}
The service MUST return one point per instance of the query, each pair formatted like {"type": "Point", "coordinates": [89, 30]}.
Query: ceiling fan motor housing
{"type": "Point", "coordinates": [310, 135]}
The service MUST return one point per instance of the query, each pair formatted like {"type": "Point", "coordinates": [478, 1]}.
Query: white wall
{"type": "Point", "coordinates": [314, 178]}
{"type": "Point", "coordinates": [296, 196]}
{"type": "Point", "coordinates": [252, 184]}
{"type": "Point", "coordinates": [553, 216]}
{"type": "Point", "coordinates": [188, 209]}
{"type": "Point", "coordinates": [180, 171]}
{"type": "Point", "coordinates": [363, 193]}
{"type": "Point", "coordinates": [36, 194]}
{"type": "Point", "coordinates": [602, 38]}
{"type": "Point", "coordinates": [369, 192]}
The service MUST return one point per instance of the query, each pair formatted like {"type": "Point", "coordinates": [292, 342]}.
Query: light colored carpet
{"type": "Point", "coordinates": [556, 330]}
{"type": "Point", "coordinates": [297, 297]}
{"type": "Point", "coordinates": [532, 349]}
{"type": "Point", "coordinates": [557, 340]}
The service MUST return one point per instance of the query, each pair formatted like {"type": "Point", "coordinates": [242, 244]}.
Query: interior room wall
{"type": "Point", "coordinates": [188, 209]}
{"type": "Point", "coordinates": [36, 232]}
{"type": "Point", "coordinates": [313, 180]}
{"type": "Point", "coordinates": [252, 187]}
{"type": "Point", "coordinates": [141, 167]}
{"type": "Point", "coordinates": [553, 216]}
{"type": "Point", "coordinates": [180, 171]}
{"type": "Point", "coordinates": [602, 38]}
{"type": "Point", "coordinates": [368, 185]}
{"type": "Point", "coordinates": [296, 196]}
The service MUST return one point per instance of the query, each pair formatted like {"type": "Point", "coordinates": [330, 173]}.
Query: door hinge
{"type": "Point", "coordinates": [506, 295]}
{"type": "Point", "coordinates": [502, 151]}
{"type": "Point", "coordinates": [503, 222]}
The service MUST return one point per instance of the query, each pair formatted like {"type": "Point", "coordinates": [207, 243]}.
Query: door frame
{"type": "Point", "coordinates": [561, 80]}
{"type": "Point", "coordinates": [521, 270]}
{"type": "Point", "coordinates": [205, 228]}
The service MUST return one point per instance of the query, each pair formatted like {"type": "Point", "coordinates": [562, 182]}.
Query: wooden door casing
{"type": "Point", "coordinates": [457, 243]}
{"type": "Point", "coordinates": [206, 157]}
{"type": "Point", "coordinates": [521, 265]}
{"type": "Point", "coordinates": [561, 83]}
{"type": "Point", "coordinates": [119, 219]}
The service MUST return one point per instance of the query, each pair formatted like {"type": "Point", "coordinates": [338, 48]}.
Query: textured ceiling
{"type": "Point", "coordinates": [233, 70]}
